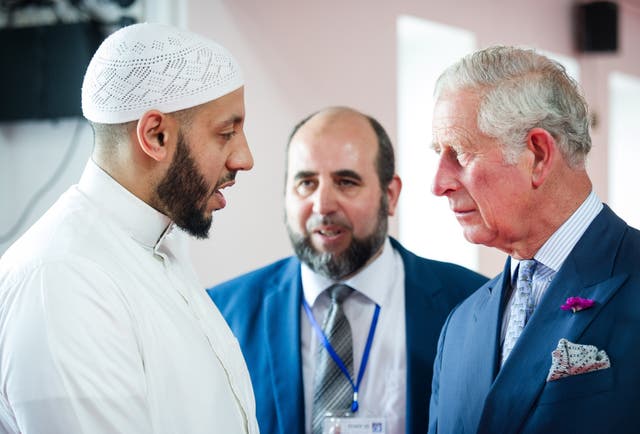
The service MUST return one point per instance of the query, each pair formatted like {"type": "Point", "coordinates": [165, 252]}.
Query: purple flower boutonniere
{"type": "Point", "coordinates": [577, 304]}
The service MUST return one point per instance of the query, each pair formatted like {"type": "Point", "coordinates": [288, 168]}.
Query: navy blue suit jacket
{"type": "Point", "coordinates": [263, 310]}
{"type": "Point", "coordinates": [471, 394]}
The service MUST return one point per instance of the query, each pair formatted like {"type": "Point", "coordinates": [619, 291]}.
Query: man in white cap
{"type": "Point", "coordinates": [104, 327]}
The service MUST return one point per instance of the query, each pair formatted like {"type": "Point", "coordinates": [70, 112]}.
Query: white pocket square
{"type": "Point", "coordinates": [573, 359]}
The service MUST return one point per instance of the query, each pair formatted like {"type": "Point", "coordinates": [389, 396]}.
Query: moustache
{"type": "Point", "coordinates": [316, 220]}
{"type": "Point", "coordinates": [231, 176]}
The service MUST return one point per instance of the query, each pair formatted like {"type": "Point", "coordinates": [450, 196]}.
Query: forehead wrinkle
{"type": "Point", "coordinates": [455, 136]}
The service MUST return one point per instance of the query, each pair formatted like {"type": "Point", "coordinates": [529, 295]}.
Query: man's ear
{"type": "Point", "coordinates": [393, 193]}
{"type": "Point", "coordinates": [153, 133]}
{"type": "Point", "coordinates": [545, 151]}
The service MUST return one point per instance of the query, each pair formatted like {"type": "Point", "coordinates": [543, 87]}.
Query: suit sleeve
{"type": "Point", "coordinates": [435, 383]}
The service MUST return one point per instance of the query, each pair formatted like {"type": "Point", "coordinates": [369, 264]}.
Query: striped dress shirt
{"type": "Point", "coordinates": [554, 252]}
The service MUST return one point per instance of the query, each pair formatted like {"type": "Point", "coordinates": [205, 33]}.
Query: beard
{"type": "Point", "coordinates": [183, 192]}
{"type": "Point", "coordinates": [337, 266]}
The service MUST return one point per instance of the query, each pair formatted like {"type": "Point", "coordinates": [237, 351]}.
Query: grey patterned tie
{"type": "Point", "coordinates": [521, 307]}
{"type": "Point", "coordinates": [331, 389]}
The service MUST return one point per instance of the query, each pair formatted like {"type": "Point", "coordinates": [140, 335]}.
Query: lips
{"type": "Point", "coordinates": [465, 215]}
{"type": "Point", "coordinates": [331, 231]}
{"type": "Point", "coordinates": [222, 202]}
{"type": "Point", "coordinates": [460, 206]}
{"type": "Point", "coordinates": [331, 238]}
{"type": "Point", "coordinates": [217, 194]}
{"type": "Point", "coordinates": [462, 211]}
{"type": "Point", "coordinates": [225, 185]}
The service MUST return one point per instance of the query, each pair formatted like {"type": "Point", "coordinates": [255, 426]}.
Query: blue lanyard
{"type": "Point", "coordinates": [336, 358]}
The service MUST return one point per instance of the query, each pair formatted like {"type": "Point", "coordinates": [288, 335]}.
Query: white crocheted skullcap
{"type": "Point", "coordinates": [155, 66]}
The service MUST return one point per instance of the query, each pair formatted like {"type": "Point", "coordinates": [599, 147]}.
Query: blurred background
{"type": "Point", "coordinates": [298, 56]}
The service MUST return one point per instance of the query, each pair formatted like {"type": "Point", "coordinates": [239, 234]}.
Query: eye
{"type": "Point", "coordinates": [463, 157]}
{"type": "Point", "coordinates": [305, 186]}
{"type": "Point", "coordinates": [228, 135]}
{"type": "Point", "coordinates": [346, 182]}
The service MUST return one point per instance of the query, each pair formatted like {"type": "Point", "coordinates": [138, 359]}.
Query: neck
{"type": "Point", "coordinates": [128, 172]}
{"type": "Point", "coordinates": [551, 209]}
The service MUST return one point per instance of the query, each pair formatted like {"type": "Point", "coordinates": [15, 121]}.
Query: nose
{"type": "Point", "coordinates": [241, 158]}
{"type": "Point", "coordinates": [445, 181]}
{"type": "Point", "coordinates": [324, 199]}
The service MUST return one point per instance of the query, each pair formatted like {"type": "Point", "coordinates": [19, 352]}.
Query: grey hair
{"type": "Point", "coordinates": [520, 90]}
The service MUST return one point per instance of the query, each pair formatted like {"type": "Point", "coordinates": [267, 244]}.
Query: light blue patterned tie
{"type": "Point", "coordinates": [332, 390]}
{"type": "Point", "coordinates": [521, 306]}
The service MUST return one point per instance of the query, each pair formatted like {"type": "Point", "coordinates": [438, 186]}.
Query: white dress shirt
{"type": "Point", "coordinates": [554, 252]}
{"type": "Point", "coordinates": [104, 327]}
{"type": "Point", "coordinates": [383, 388]}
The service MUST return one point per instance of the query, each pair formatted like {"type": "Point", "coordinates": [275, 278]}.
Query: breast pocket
{"type": "Point", "coordinates": [577, 386]}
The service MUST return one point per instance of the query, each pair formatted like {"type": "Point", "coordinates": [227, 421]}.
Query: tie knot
{"type": "Point", "coordinates": [526, 269]}
{"type": "Point", "coordinates": [339, 292]}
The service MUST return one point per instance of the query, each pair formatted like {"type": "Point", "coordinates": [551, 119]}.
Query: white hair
{"type": "Point", "coordinates": [520, 90]}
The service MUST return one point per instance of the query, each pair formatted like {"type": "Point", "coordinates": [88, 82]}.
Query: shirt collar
{"type": "Point", "coordinates": [556, 249]}
{"type": "Point", "coordinates": [145, 224]}
{"type": "Point", "coordinates": [372, 281]}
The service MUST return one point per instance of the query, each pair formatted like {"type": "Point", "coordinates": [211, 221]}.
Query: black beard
{"type": "Point", "coordinates": [182, 189]}
{"type": "Point", "coordinates": [337, 267]}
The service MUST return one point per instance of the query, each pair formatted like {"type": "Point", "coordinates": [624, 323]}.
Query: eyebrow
{"type": "Point", "coordinates": [232, 120]}
{"type": "Point", "coordinates": [344, 173]}
{"type": "Point", "coordinates": [304, 174]}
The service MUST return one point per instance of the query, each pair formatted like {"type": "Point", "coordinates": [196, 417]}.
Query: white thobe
{"type": "Point", "coordinates": [104, 327]}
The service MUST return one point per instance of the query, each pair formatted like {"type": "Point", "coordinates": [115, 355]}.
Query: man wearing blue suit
{"type": "Point", "coordinates": [551, 345]}
{"type": "Point", "coordinates": [341, 186]}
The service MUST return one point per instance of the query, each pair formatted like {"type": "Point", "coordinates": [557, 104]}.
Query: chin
{"type": "Point", "coordinates": [474, 237]}
{"type": "Point", "coordinates": [320, 249]}
{"type": "Point", "coordinates": [332, 247]}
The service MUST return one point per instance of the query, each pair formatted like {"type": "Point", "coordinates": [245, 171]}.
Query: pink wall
{"type": "Point", "coordinates": [302, 55]}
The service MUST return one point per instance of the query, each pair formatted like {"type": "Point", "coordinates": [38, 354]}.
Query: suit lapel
{"type": "Point", "coordinates": [282, 323]}
{"type": "Point", "coordinates": [482, 344]}
{"type": "Point", "coordinates": [585, 273]}
{"type": "Point", "coordinates": [489, 311]}
{"type": "Point", "coordinates": [487, 338]}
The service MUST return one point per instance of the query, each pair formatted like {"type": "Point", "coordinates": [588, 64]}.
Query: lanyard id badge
{"type": "Point", "coordinates": [354, 425]}
{"type": "Point", "coordinates": [336, 358]}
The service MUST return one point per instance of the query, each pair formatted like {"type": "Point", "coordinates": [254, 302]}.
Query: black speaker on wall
{"type": "Point", "coordinates": [597, 27]}
{"type": "Point", "coordinates": [42, 69]}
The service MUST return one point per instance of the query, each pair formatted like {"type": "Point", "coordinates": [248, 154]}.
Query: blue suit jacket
{"type": "Point", "coordinates": [263, 310]}
{"type": "Point", "coordinates": [472, 395]}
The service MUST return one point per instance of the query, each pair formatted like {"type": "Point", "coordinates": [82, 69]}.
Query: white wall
{"type": "Point", "coordinates": [300, 56]}
{"type": "Point", "coordinates": [425, 225]}
{"type": "Point", "coordinates": [624, 152]}
{"type": "Point", "coordinates": [30, 155]}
